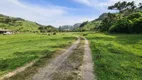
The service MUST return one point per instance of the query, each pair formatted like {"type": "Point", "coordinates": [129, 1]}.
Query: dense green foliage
{"type": "Point", "coordinates": [83, 24]}
{"type": "Point", "coordinates": [117, 57]}
{"type": "Point", "coordinates": [91, 26]}
{"type": "Point", "coordinates": [129, 20]}
{"type": "Point", "coordinates": [46, 29]}
{"type": "Point", "coordinates": [19, 49]}
{"type": "Point", "coordinates": [129, 24]}
{"type": "Point", "coordinates": [107, 22]}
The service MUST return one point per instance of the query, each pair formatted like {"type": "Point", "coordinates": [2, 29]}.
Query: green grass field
{"type": "Point", "coordinates": [117, 57]}
{"type": "Point", "coordinates": [19, 49]}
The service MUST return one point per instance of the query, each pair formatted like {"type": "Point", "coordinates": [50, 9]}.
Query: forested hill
{"type": "Point", "coordinates": [85, 26]}
{"type": "Point", "coordinates": [18, 24]}
{"type": "Point", "coordinates": [92, 25]}
{"type": "Point", "coordinates": [128, 19]}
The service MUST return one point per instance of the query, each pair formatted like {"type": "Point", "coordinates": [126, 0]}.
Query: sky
{"type": "Point", "coordinates": [56, 12]}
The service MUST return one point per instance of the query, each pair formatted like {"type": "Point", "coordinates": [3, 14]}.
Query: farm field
{"type": "Point", "coordinates": [71, 40]}
{"type": "Point", "coordinates": [117, 57]}
{"type": "Point", "coordinates": [19, 49]}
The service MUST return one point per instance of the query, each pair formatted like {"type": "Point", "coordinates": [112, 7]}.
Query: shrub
{"type": "Point", "coordinates": [135, 15]}
{"type": "Point", "coordinates": [107, 22]}
{"type": "Point", "coordinates": [122, 26]}
{"type": "Point", "coordinates": [54, 33]}
{"type": "Point", "coordinates": [137, 26]}
{"type": "Point", "coordinates": [85, 34]}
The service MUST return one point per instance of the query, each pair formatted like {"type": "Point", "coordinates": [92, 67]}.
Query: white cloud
{"type": "Point", "coordinates": [49, 15]}
{"type": "Point", "coordinates": [15, 8]}
{"type": "Point", "coordinates": [99, 3]}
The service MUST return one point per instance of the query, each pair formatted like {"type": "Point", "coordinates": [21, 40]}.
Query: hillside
{"type": "Point", "coordinates": [128, 19]}
{"type": "Point", "coordinates": [102, 17]}
{"type": "Point", "coordinates": [126, 22]}
{"type": "Point", "coordinates": [17, 24]}
{"type": "Point", "coordinates": [85, 26]}
{"type": "Point", "coordinates": [66, 28]}
{"type": "Point", "coordinates": [92, 25]}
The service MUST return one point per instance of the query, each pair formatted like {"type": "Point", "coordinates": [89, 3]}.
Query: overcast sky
{"type": "Point", "coordinates": [56, 12]}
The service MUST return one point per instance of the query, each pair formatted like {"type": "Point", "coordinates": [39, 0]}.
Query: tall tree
{"type": "Point", "coordinates": [83, 24]}
{"type": "Point", "coordinates": [108, 21]}
{"type": "Point", "coordinates": [122, 6]}
{"type": "Point", "coordinates": [131, 6]}
{"type": "Point", "coordinates": [140, 5]}
{"type": "Point", "coordinates": [118, 6]}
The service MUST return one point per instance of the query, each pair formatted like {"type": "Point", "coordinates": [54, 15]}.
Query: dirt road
{"type": "Point", "coordinates": [46, 72]}
{"type": "Point", "coordinates": [75, 63]}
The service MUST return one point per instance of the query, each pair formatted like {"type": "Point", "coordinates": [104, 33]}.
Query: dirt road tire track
{"type": "Point", "coordinates": [87, 68]}
{"type": "Point", "coordinates": [46, 72]}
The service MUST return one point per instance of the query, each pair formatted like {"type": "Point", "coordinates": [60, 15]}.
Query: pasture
{"type": "Point", "coordinates": [19, 49]}
{"type": "Point", "coordinates": [117, 57]}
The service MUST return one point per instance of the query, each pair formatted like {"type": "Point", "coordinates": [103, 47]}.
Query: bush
{"type": "Point", "coordinates": [135, 15]}
{"type": "Point", "coordinates": [107, 22]}
{"type": "Point", "coordinates": [121, 26]}
{"type": "Point", "coordinates": [54, 33]}
{"type": "Point", "coordinates": [137, 26]}
{"type": "Point", "coordinates": [130, 24]}
{"type": "Point", "coordinates": [85, 34]}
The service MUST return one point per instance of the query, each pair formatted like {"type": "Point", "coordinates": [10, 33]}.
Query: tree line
{"type": "Point", "coordinates": [46, 29]}
{"type": "Point", "coordinates": [127, 20]}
